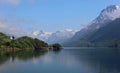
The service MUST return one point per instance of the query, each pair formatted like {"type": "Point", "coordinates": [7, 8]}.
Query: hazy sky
{"type": "Point", "coordinates": [50, 15]}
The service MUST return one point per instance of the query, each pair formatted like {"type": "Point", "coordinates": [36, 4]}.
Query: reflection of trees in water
{"type": "Point", "coordinates": [22, 55]}
{"type": "Point", "coordinates": [4, 56]}
{"type": "Point", "coordinates": [26, 55]}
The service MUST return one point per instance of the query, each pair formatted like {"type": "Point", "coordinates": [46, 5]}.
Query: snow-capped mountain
{"type": "Point", "coordinates": [40, 34]}
{"type": "Point", "coordinates": [56, 37]}
{"type": "Point", "coordinates": [61, 36]}
{"type": "Point", "coordinates": [109, 13]}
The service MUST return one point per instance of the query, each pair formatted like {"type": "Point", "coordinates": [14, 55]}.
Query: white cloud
{"type": "Point", "coordinates": [15, 2]}
{"type": "Point", "coordinates": [10, 29]}
{"type": "Point", "coordinates": [86, 24]}
{"type": "Point", "coordinates": [12, 2]}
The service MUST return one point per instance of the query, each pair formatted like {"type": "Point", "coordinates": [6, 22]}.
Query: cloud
{"type": "Point", "coordinates": [15, 2]}
{"type": "Point", "coordinates": [86, 24]}
{"type": "Point", "coordinates": [10, 28]}
{"type": "Point", "coordinates": [11, 2]}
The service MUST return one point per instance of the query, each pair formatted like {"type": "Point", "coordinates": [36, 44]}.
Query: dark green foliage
{"type": "Point", "coordinates": [40, 43]}
{"type": "Point", "coordinates": [24, 42]}
{"type": "Point", "coordinates": [28, 42]}
{"type": "Point", "coordinates": [56, 47]}
{"type": "Point", "coordinates": [4, 40]}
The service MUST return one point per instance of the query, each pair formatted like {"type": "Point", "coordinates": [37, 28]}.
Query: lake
{"type": "Point", "coordinates": [68, 60]}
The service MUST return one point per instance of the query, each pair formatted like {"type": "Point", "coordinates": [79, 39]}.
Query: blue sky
{"type": "Point", "coordinates": [51, 15]}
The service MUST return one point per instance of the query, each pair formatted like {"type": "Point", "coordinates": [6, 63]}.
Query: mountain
{"type": "Point", "coordinates": [40, 34]}
{"type": "Point", "coordinates": [60, 36]}
{"type": "Point", "coordinates": [104, 28]}
{"type": "Point", "coordinates": [53, 37]}
{"type": "Point", "coordinates": [109, 13]}
{"type": "Point", "coordinates": [110, 32]}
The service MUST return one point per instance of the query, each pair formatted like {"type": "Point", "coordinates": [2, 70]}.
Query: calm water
{"type": "Point", "coordinates": [70, 60]}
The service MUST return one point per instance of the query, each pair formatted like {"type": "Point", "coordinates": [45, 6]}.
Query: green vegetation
{"type": "Point", "coordinates": [56, 47]}
{"type": "Point", "coordinates": [24, 42]}
{"type": "Point", "coordinates": [24, 48]}
{"type": "Point", "coordinates": [28, 42]}
{"type": "Point", "coordinates": [4, 41]}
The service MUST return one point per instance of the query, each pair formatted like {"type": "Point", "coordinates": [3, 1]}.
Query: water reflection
{"type": "Point", "coordinates": [77, 60]}
{"type": "Point", "coordinates": [21, 55]}
{"type": "Point", "coordinates": [3, 57]}
{"type": "Point", "coordinates": [103, 60]}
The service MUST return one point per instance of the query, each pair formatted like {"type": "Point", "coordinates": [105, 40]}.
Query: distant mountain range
{"type": "Point", "coordinates": [40, 34]}
{"type": "Point", "coordinates": [102, 31]}
{"type": "Point", "coordinates": [61, 36]}
{"type": "Point", "coordinates": [55, 37]}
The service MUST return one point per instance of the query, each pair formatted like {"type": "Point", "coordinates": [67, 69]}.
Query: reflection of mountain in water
{"type": "Point", "coordinates": [98, 60]}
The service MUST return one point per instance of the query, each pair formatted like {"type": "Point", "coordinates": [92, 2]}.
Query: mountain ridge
{"type": "Point", "coordinates": [85, 36]}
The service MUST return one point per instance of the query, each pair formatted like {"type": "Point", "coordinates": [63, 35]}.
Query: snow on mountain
{"type": "Point", "coordinates": [106, 16]}
{"type": "Point", "coordinates": [109, 13]}
{"type": "Point", "coordinates": [56, 37]}
{"type": "Point", "coordinates": [61, 36]}
{"type": "Point", "coordinates": [40, 34]}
